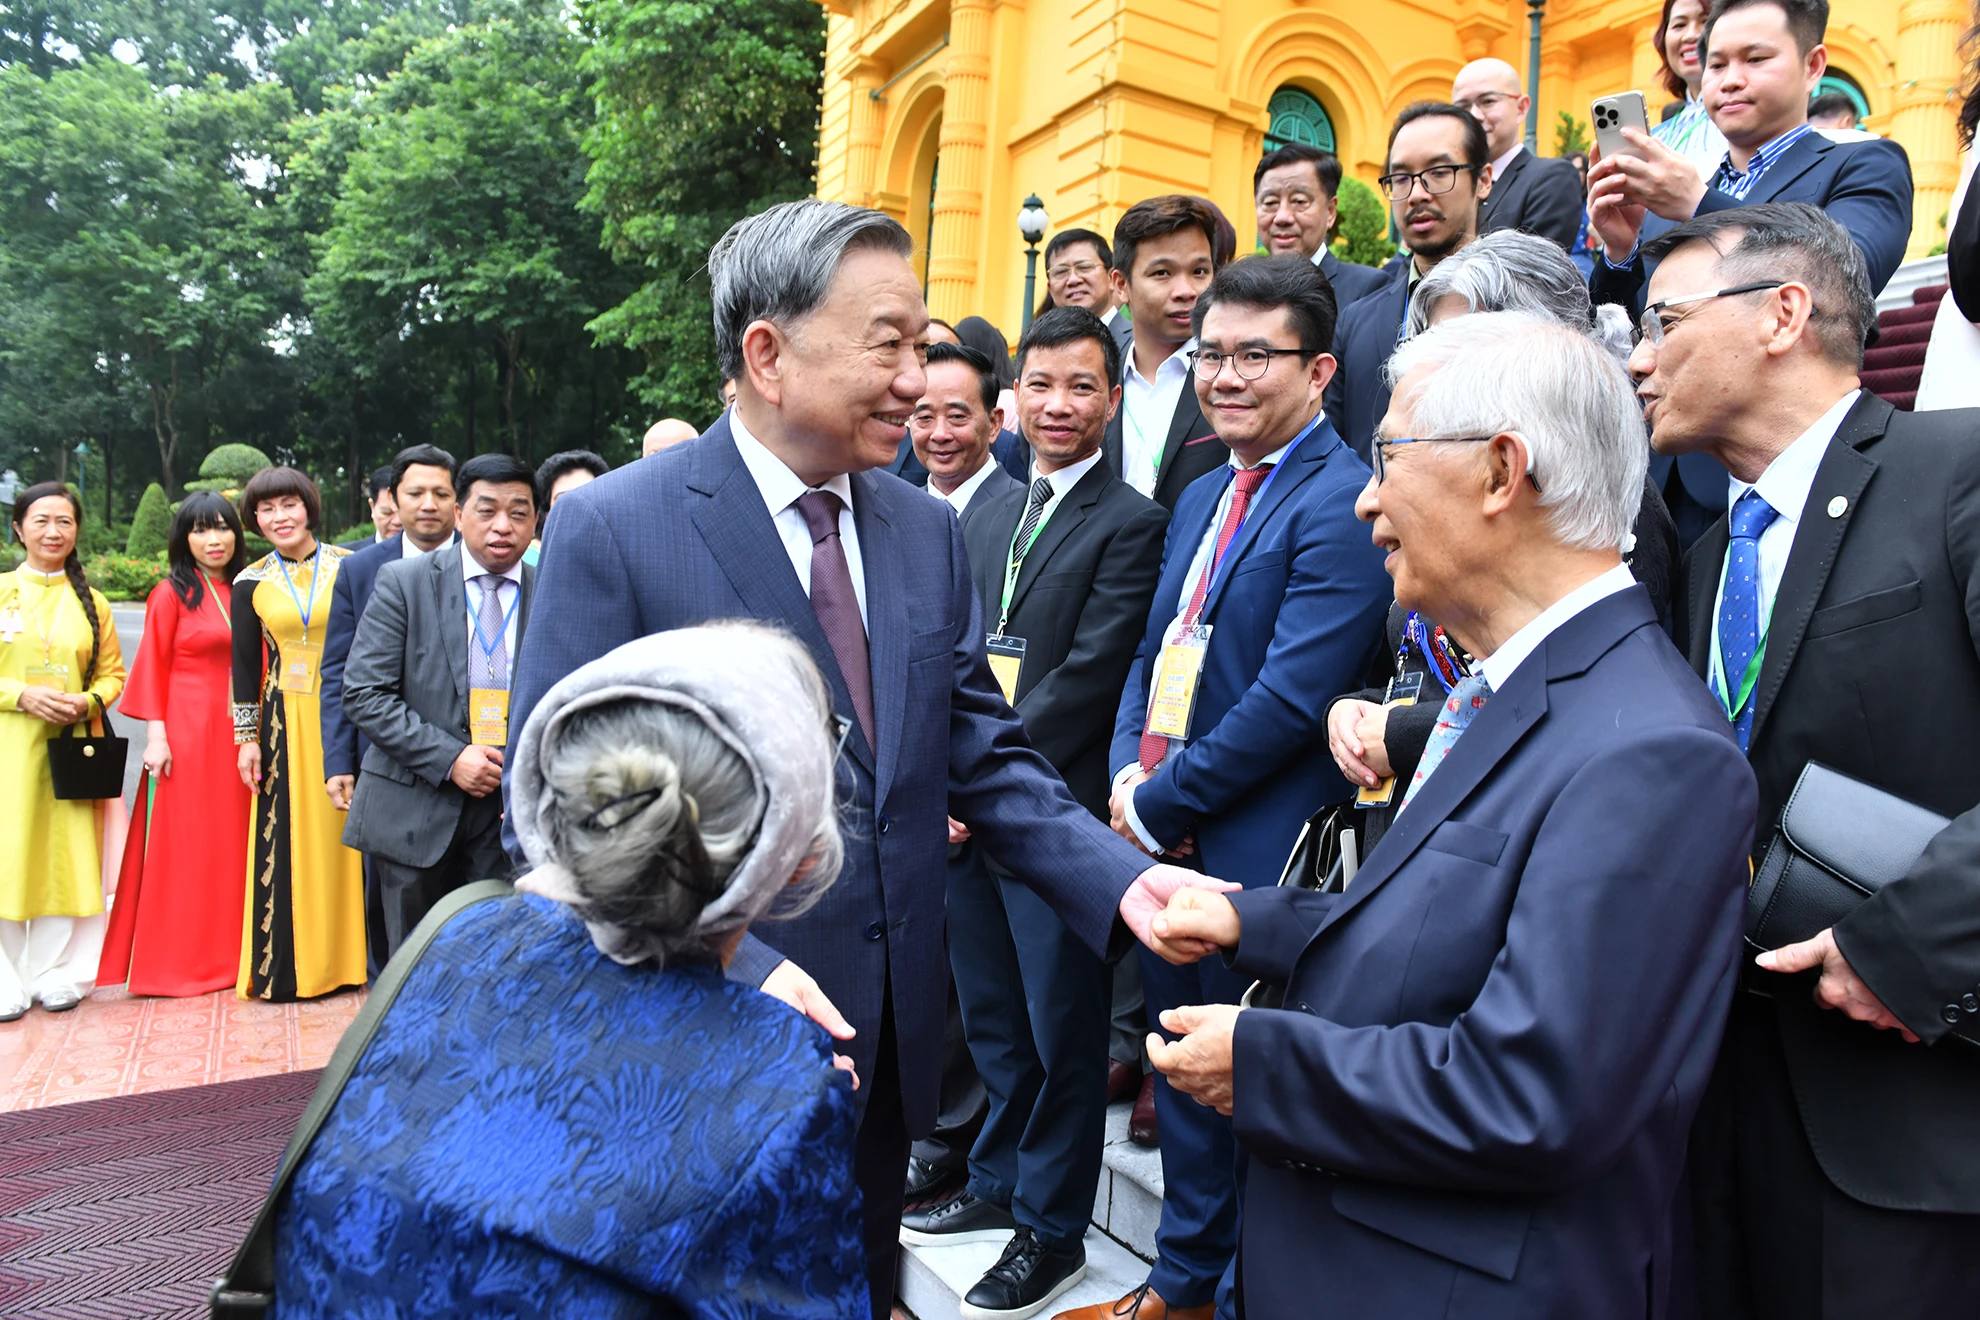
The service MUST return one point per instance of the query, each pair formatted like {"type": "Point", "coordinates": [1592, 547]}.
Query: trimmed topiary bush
{"type": "Point", "coordinates": [1362, 227]}
{"type": "Point", "coordinates": [151, 525]}
{"type": "Point", "coordinates": [228, 467]}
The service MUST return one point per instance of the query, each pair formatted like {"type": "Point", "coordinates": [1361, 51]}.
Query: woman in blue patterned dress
{"type": "Point", "coordinates": [568, 1111]}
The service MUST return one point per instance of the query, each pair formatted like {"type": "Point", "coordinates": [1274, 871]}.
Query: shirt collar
{"type": "Point", "coordinates": [1500, 666]}
{"type": "Point", "coordinates": [408, 550]}
{"type": "Point", "coordinates": [780, 487]}
{"type": "Point", "coordinates": [1788, 479]}
{"type": "Point", "coordinates": [1175, 366]}
{"type": "Point", "coordinates": [471, 568]}
{"type": "Point", "coordinates": [1499, 165]}
{"type": "Point", "coordinates": [1766, 155]}
{"type": "Point", "coordinates": [1067, 477]}
{"type": "Point", "coordinates": [1271, 458]}
{"type": "Point", "coordinates": [959, 498]}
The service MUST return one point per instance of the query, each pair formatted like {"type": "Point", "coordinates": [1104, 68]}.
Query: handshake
{"type": "Point", "coordinates": [1182, 916]}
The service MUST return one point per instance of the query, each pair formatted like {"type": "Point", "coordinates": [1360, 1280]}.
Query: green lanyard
{"type": "Point", "coordinates": [1716, 662]}
{"type": "Point", "coordinates": [1014, 557]}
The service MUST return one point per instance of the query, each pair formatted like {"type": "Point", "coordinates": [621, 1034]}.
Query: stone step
{"type": "Point", "coordinates": [1126, 1207]}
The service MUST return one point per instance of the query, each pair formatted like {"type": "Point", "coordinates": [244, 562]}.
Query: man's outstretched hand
{"type": "Point", "coordinates": [792, 984]}
{"type": "Point", "coordinates": [1148, 897]}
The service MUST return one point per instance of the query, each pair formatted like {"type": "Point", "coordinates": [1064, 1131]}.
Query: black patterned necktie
{"type": "Point", "coordinates": [1034, 512]}
{"type": "Point", "coordinates": [836, 604]}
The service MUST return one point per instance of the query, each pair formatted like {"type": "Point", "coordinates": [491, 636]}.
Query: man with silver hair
{"type": "Point", "coordinates": [777, 514]}
{"type": "Point", "coordinates": [1475, 1100]}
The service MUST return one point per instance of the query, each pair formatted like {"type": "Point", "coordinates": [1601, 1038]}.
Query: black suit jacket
{"type": "Point", "coordinates": [1873, 669]}
{"type": "Point", "coordinates": [1080, 602]}
{"type": "Point", "coordinates": [1539, 195]}
{"type": "Point", "coordinates": [1369, 329]}
{"type": "Point", "coordinates": [1190, 449]}
{"type": "Point", "coordinates": [998, 484]}
{"type": "Point", "coordinates": [1351, 282]}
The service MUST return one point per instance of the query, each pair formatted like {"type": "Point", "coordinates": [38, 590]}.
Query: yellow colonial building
{"type": "Point", "coordinates": [948, 113]}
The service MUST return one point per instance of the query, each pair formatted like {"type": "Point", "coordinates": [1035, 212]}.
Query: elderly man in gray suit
{"type": "Point", "coordinates": [428, 683]}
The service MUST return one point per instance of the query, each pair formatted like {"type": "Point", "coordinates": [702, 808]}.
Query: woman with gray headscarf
{"type": "Point", "coordinates": [567, 1110]}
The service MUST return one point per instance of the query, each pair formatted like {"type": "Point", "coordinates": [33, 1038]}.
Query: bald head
{"type": "Point", "coordinates": [1490, 91]}
{"type": "Point", "coordinates": [665, 434]}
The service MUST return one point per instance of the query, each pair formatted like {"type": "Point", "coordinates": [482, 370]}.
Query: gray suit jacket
{"type": "Point", "coordinates": [406, 688]}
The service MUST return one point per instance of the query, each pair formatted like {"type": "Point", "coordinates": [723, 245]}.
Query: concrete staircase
{"type": "Point", "coordinates": [1119, 1243]}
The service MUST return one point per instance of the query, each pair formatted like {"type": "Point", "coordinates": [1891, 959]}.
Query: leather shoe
{"type": "Point", "coordinates": [1141, 1123]}
{"type": "Point", "coordinates": [61, 1001]}
{"type": "Point", "coordinates": [1123, 1080]}
{"type": "Point", "coordinates": [929, 1182]}
{"type": "Point", "coordinates": [1027, 1278]}
{"type": "Point", "coordinates": [961, 1219]}
{"type": "Point", "coordinates": [1144, 1303]}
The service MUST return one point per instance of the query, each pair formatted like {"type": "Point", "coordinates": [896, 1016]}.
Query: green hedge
{"type": "Point", "coordinates": [1362, 227]}
{"type": "Point", "coordinates": [151, 525]}
{"type": "Point", "coordinates": [125, 577]}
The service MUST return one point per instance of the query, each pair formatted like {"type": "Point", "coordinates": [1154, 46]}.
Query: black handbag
{"type": "Point", "coordinates": [1323, 859]}
{"type": "Point", "coordinates": [1838, 843]}
{"type": "Point", "coordinates": [85, 767]}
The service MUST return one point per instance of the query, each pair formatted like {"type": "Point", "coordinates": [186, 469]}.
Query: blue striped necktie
{"type": "Point", "coordinates": [1740, 620]}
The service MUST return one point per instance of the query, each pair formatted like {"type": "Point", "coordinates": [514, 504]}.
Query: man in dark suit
{"type": "Point", "coordinates": [1164, 258]}
{"type": "Point", "coordinates": [422, 491]}
{"type": "Point", "coordinates": [1762, 59]}
{"type": "Point", "coordinates": [428, 683]}
{"type": "Point", "coordinates": [384, 513]}
{"type": "Point", "coordinates": [775, 514]}
{"type": "Point", "coordinates": [1835, 1167]}
{"type": "Point", "coordinates": [1079, 267]}
{"type": "Point", "coordinates": [1271, 595]}
{"type": "Point", "coordinates": [1438, 173]}
{"type": "Point", "coordinates": [1473, 1103]}
{"type": "Point", "coordinates": [1296, 188]}
{"type": "Point", "coordinates": [1066, 569]}
{"type": "Point", "coordinates": [1537, 194]}
{"type": "Point", "coordinates": [955, 426]}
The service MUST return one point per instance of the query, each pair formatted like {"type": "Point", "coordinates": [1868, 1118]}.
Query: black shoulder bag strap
{"type": "Point", "coordinates": [247, 1290]}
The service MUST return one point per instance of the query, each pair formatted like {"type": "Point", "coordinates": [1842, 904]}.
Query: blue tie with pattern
{"type": "Point", "coordinates": [1739, 605]}
{"type": "Point", "coordinates": [1460, 708]}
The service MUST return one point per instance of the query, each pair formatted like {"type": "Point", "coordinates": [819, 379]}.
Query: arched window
{"type": "Point", "coordinates": [1298, 117]}
{"type": "Point", "coordinates": [1833, 81]}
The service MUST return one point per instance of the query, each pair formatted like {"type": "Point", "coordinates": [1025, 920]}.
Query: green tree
{"type": "Point", "coordinates": [228, 467]}
{"type": "Point", "coordinates": [1570, 134]}
{"type": "Point", "coordinates": [1362, 227]}
{"type": "Point", "coordinates": [151, 525]}
{"type": "Point", "coordinates": [707, 112]}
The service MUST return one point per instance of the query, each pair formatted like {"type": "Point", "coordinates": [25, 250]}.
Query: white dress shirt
{"type": "Point", "coordinates": [407, 550]}
{"type": "Point", "coordinates": [1500, 666]}
{"type": "Point", "coordinates": [1113, 313]}
{"type": "Point", "coordinates": [1785, 486]}
{"type": "Point", "coordinates": [1147, 408]}
{"type": "Point", "coordinates": [959, 498]}
{"type": "Point", "coordinates": [781, 489]}
{"type": "Point", "coordinates": [508, 594]}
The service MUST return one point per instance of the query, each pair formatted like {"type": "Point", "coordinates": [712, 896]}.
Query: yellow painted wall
{"type": "Point", "coordinates": [946, 113]}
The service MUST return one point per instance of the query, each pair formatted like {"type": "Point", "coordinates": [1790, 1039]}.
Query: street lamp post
{"type": "Point", "coordinates": [1534, 8]}
{"type": "Point", "coordinates": [82, 473]}
{"type": "Point", "coordinates": [1032, 222]}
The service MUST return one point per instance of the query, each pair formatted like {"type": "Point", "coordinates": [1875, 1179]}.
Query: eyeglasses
{"type": "Point", "coordinates": [1437, 180]}
{"type": "Point", "coordinates": [1297, 203]}
{"type": "Point", "coordinates": [1379, 451]}
{"type": "Point", "coordinates": [1249, 363]}
{"type": "Point", "coordinates": [1059, 274]}
{"type": "Point", "coordinates": [1652, 324]}
{"type": "Point", "coordinates": [1485, 102]}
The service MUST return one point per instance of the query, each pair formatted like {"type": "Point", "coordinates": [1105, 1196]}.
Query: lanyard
{"type": "Point", "coordinates": [474, 619]}
{"type": "Point", "coordinates": [1014, 557]}
{"type": "Point", "coordinates": [220, 605]}
{"type": "Point", "coordinates": [315, 580]}
{"type": "Point", "coordinates": [1716, 662]}
{"type": "Point", "coordinates": [45, 630]}
{"type": "Point", "coordinates": [1437, 651]}
{"type": "Point", "coordinates": [1258, 498]}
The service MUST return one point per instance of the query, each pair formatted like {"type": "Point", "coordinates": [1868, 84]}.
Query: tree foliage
{"type": "Point", "coordinates": [151, 525]}
{"type": "Point", "coordinates": [1570, 134]}
{"type": "Point", "coordinates": [1362, 225]}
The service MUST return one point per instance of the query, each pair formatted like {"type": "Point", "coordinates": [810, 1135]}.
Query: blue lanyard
{"type": "Point", "coordinates": [315, 578]}
{"type": "Point", "coordinates": [474, 619]}
{"type": "Point", "coordinates": [1259, 498]}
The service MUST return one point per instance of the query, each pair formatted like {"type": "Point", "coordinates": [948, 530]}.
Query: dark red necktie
{"type": "Point", "coordinates": [1244, 484]}
{"type": "Point", "coordinates": [837, 607]}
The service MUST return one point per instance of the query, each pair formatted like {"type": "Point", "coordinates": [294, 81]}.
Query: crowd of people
{"type": "Point", "coordinates": [935, 678]}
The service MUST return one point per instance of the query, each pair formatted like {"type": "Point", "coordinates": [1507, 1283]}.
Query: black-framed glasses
{"type": "Point", "coordinates": [1067, 270]}
{"type": "Point", "coordinates": [1249, 363]}
{"type": "Point", "coordinates": [1652, 326]}
{"type": "Point", "coordinates": [1379, 451]}
{"type": "Point", "coordinates": [1437, 180]}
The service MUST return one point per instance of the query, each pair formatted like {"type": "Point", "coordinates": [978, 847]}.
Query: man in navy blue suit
{"type": "Point", "coordinates": [1272, 596]}
{"type": "Point", "coordinates": [1763, 59]}
{"type": "Point", "coordinates": [1474, 1101]}
{"type": "Point", "coordinates": [1296, 188]}
{"type": "Point", "coordinates": [776, 514]}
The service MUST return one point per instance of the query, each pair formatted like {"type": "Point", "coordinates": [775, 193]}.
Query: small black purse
{"type": "Point", "coordinates": [86, 767]}
{"type": "Point", "coordinates": [1324, 858]}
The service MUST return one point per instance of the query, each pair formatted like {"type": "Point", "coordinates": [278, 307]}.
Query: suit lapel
{"type": "Point", "coordinates": [522, 606]}
{"type": "Point", "coordinates": [1069, 515]}
{"type": "Point", "coordinates": [1188, 417]}
{"type": "Point", "coordinates": [886, 624]}
{"type": "Point", "coordinates": [1798, 160]}
{"type": "Point", "coordinates": [448, 591]}
{"type": "Point", "coordinates": [1842, 474]}
{"type": "Point", "coordinates": [1708, 558]}
{"type": "Point", "coordinates": [1502, 187]}
{"type": "Point", "coordinates": [1306, 460]}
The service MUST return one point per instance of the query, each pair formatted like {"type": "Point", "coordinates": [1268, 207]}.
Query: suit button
{"type": "Point", "coordinates": [1950, 1013]}
{"type": "Point", "coordinates": [882, 821]}
{"type": "Point", "coordinates": [877, 930]}
{"type": "Point", "coordinates": [1969, 1003]}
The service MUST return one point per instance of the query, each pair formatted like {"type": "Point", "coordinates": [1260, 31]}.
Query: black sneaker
{"type": "Point", "coordinates": [961, 1219]}
{"type": "Point", "coordinates": [1025, 1279]}
{"type": "Point", "coordinates": [926, 1183]}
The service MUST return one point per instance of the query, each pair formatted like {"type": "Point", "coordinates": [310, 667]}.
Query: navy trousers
{"type": "Point", "coordinates": [1042, 1053]}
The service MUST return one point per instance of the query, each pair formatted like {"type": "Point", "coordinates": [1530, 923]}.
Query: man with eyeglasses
{"type": "Point", "coordinates": [1296, 188]}
{"type": "Point", "coordinates": [1079, 268]}
{"type": "Point", "coordinates": [1835, 1167]}
{"type": "Point", "coordinates": [1538, 194]}
{"type": "Point", "coordinates": [1438, 172]}
{"type": "Point", "coordinates": [1271, 598]}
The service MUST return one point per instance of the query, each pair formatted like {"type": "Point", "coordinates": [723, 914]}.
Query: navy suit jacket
{"type": "Point", "coordinates": [1475, 1102]}
{"type": "Point", "coordinates": [683, 538]}
{"type": "Point", "coordinates": [1350, 281]}
{"type": "Point", "coordinates": [1357, 396]}
{"type": "Point", "coordinates": [1864, 186]}
{"type": "Point", "coordinates": [1295, 614]}
{"type": "Point", "coordinates": [1538, 195]}
{"type": "Point", "coordinates": [343, 744]}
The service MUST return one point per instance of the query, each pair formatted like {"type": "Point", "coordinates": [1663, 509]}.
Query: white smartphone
{"type": "Point", "coordinates": [1612, 115]}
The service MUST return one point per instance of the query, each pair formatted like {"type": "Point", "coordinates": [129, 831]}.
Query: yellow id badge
{"type": "Point", "coordinates": [301, 663]}
{"type": "Point", "coordinates": [1172, 696]}
{"type": "Point", "coordinates": [48, 676]}
{"type": "Point", "coordinates": [1006, 662]}
{"type": "Point", "coordinates": [1403, 691]}
{"type": "Point", "coordinates": [488, 717]}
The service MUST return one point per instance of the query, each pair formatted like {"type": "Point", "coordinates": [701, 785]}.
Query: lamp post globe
{"type": "Point", "coordinates": [1032, 223]}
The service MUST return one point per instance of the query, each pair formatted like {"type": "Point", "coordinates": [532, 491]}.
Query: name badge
{"type": "Point", "coordinates": [1006, 662]}
{"type": "Point", "coordinates": [48, 676]}
{"type": "Point", "coordinates": [301, 663]}
{"type": "Point", "coordinates": [1172, 699]}
{"type": "Point", "coordinates": [1403, 691]}
{"type": "Point", "coordinates": [488, 717]}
